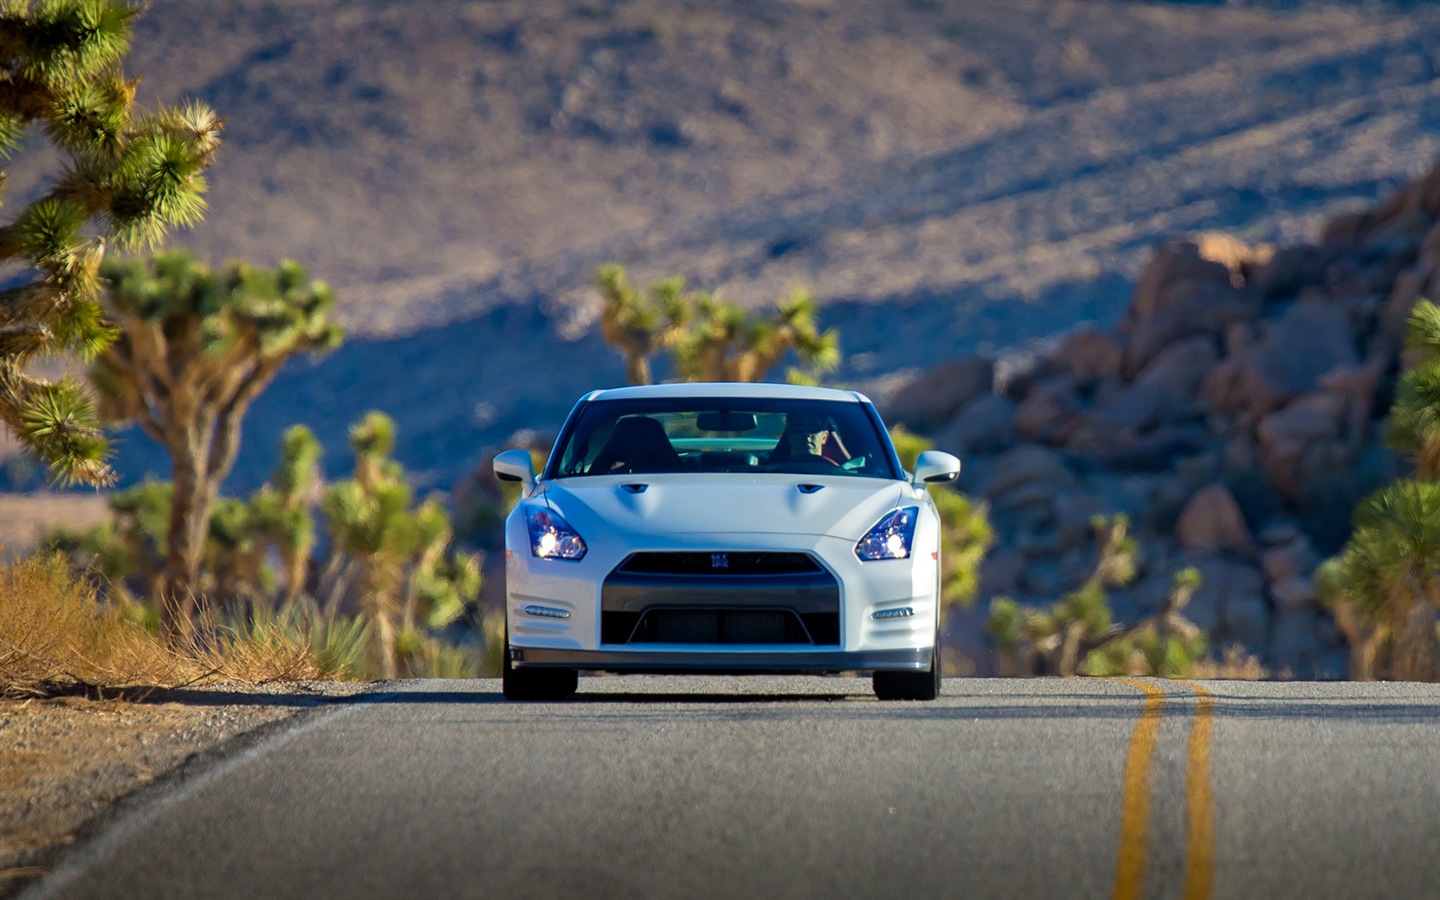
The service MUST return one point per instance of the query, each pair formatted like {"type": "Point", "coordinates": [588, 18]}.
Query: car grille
{"type": "Point", "coordinates": [721, 597]}
{"type": "Point", "coordinates": [704, 563]}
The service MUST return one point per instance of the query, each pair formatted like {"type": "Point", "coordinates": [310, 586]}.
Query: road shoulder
{"type": "Point", "coordinates": [70, 765]}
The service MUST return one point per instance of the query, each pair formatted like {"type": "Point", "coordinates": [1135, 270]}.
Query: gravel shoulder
{"type": "Point", "coordinates": [67, 763]}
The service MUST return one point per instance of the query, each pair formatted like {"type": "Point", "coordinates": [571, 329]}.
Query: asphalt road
{"type": "Point", "coordinates": [807, 787]}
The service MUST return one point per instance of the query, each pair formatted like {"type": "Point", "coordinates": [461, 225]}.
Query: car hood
{"type": "Point", "coordinates": [842, 506]}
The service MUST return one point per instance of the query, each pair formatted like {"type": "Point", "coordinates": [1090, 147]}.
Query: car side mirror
{"type": "Point", "coordinates": [934, 467]}
{"type": "Point", "coordinates": [517, 466]}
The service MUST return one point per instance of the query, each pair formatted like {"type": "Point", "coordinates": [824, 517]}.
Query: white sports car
{"type": "Point", "coordinates": [722, 528]}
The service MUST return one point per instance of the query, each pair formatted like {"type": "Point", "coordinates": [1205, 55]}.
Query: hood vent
{"type": "Point", "coordinates": [635, 488]}
{"type": "Point", "coordinates": [810, 488]}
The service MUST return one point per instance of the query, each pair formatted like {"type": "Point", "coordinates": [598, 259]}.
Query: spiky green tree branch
{"type": "Point", "coordinates": [639, 323]}
{"type": "Point", "coordinates": [128, 178]}
{"type": "Point", "coordinates": [1384, 587]}
{"type": "Point", "coordinates": [710, 339]}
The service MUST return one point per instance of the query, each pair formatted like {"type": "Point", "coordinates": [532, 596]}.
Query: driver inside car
{"type": "Point", "coordinates": [809, 436]}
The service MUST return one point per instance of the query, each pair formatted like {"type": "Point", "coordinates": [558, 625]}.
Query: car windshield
{"type": "Point", "coordinates": [718, 434]}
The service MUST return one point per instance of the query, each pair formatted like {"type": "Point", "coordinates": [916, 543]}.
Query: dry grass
{"type": "Point", "coordinates": [1234, 664]}
{"type": "Point", "coordinates": [55, 634]}
{"type": "Point", "coordinates": [58, 636]}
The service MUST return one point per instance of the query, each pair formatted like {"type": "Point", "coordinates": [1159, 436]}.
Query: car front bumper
{"type": "Point", "coordinates": [574, 598]}
{"type": "Point", "coordinates": [703, 660]}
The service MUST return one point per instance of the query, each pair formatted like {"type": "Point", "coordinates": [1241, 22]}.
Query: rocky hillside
{"type": "Point", "coordinates": [1235, 414]}
{"type": "Point", "coordinates": [945, 176]}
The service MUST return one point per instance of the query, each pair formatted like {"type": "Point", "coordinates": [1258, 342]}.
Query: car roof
{"type": "Point", "coordinates": [727, 389]}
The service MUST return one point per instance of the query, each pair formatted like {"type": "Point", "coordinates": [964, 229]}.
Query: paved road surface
{"type": "Point", "coordinates": [808, 787]}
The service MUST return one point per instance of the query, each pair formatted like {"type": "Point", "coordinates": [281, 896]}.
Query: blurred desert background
{"type": "Point", "coordinates": [945, 177]}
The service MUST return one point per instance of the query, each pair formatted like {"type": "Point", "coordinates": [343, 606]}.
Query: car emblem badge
{"type": "Point", "coordinates": [719, 561]}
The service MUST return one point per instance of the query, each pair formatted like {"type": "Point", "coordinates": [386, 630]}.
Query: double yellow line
{"type": "Point", "coordinates": [1199, 800]}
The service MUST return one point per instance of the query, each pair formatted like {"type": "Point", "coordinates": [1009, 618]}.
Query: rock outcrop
{"type": "Point", "coordinates": [1235, 414]}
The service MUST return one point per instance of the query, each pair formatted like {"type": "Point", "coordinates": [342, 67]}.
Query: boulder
{"type": "Point", "coordinates": [1155, 500]}
{"type": "Point", "coordinates": [1041, 579]}
{"type": "Point", "coordinates": [1165, 389]}
{"type": "Point", "coordinates": [1189, 287]}
{"type": "Point", "coordinates": [1227, 598]}
{"type": "Point", "coordinates": [1294, 593]}
{"type": "Point", "coordinates": [1369, 269]}
{"type": "Point", "coordinates": [1356, 388]}
{"type": "Point", "coordinates": [1429, 190]}
{"type": "Point", "coordinates": [1293, 647]}
{"type": "Point", "coordinates": [1211, 521]}
{"type": "Point", "coordinates": [1240, 453]}
{"type": "Point", "coordinates": [1245, 618]}
{"type": "Point", "coordinates": [1048, 411]}
{"type": "Point", "coordinates": [1179, 368]}
{"type": "Point", "coordinates": [1194, 308]}
{"type": "Point", "coordinates": [1345, 230]}
{"type": "Point", "coordinates": [1028, 506]}
{"type": "Point", "coordinates": [1017, 373]}
{"type": "Point", "coordinates": [1409, 286]}
{"type": "Point", "coordinates": [1287, 436]}
{"type": "Point", "coordinates": [985, 426]}
{"type": "Point", "coordinates": [1290, 269]}
{"type": "Point", "coordinates": [1211, 256]}
{"type": "Point", "coordinates": [1292, 558]}
{"type": "Point", "coordinates": [1153, 452]}
{"type": "Point", "coordinates": [933, 397]}
{"type": "Point", "coordinates": [1295, 351]}
{"type": "Point", "coordinates": [1281, 531]}
{"type": "Point", "coordinates": [1402, 232]}
{"type": "Point", "coordinates": [1090, 355]}
{"type": "Point", "coordinates": [1028, 464]}
{"type": "Point", "coordinates": [1074, 512]}
{"type": "Point", "coordinates": [1000, 572]}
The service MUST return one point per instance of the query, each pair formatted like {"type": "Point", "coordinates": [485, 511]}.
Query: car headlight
{"type": "Point", "coordinates": [551, 537]}
{"type": "Point", "coordinates": [891, 536]}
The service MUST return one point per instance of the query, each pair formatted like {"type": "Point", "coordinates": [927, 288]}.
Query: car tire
{"type": "Point", "coordinates": [535, 685]}
{"type": "Point", "coordinates": [916, 685]}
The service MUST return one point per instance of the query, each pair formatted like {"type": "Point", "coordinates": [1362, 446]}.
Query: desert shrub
{"type": "Point", "coordinates": [293, 642]}
{"type": "Point", "coordinates": [1078, 634]}
{"type": "Point", "coordinates": [58, 635]}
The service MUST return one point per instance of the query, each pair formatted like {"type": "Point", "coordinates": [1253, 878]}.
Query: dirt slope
{"type": "Point", "coordinates": [943, 175]}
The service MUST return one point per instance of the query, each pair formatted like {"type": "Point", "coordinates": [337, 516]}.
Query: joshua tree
{"type": "Point", "coordinates": [640, 323]}
{"type": "Point", "coordinates": [1384, 587]}
{"type": "Point", "coordinates": [195, 347]}
{"type": "Point", "coordinates": [391, 558]}
{"type": "Point", "coordinates": [1079, 635]}
{"type": "Point", "coordinates": [127, 178]}
{"type": "Point", "coordinates": [726, 343]}
{"type": "Point", "coordinates": [709, 339]}
{"type": "Point", "coordinates": [1390, 572]}
{"type": "Point", "coordinates": [1415, 417]}
{"type": "Point", "coordinates": [282, 508]}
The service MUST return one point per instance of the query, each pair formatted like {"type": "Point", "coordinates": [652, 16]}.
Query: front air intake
{"type": "Point", "coordinates": [719, 626]}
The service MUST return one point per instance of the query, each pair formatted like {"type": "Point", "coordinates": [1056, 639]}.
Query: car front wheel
{"type": "Point", "coordinates": [914, 685]}
{"type": "Point", "coordinates": [535, 684]}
